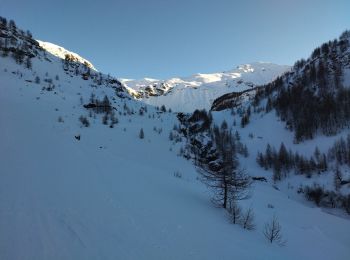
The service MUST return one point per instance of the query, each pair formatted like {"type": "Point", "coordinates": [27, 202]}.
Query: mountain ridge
{"type": "Point", "coordinates": [62, 53]}
{"type": "Point", "coordinates": [198, 91]}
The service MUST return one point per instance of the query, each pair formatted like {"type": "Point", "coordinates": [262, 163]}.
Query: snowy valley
{"type": "Point", "coordinates": [97, 167]}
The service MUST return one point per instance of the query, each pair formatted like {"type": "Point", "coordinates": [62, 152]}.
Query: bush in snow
{"type": "Point", "coordinates": [37, 80]}
{"type": "Point", "coordinates": [141, 134]}
{"type": "Point", "coordinates": [60, 119]}
{"type": "Point", "coordinates": [314, 193]}
{"type": "Point", "coordinates": [178, 174]}
{"type": "Point", "coordinates": [283, 161]}
{"type": "Point", "coordinates": [114, 120]}
{"type": "Point", "coordinates": [273, 232]}
{"type": "Point", "coordinates": [105, 119]}
{"type": "Point", "coordinates": [85, 122]}
{"type": "Point", "coordinates": [325, 198]}
{"type": "Point", "coordinates": [248, 220]}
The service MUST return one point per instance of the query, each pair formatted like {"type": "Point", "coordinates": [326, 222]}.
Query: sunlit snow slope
{"type": "Point", "coordinates": [61, 52]}
{"type": "Point", "coordinates": [199, 91]}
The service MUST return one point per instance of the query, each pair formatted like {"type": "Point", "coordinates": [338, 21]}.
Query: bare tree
{"type": "Point", "coordinates": [223, 175]}
{"type": "Point", "coordinates": [273, 230]}
{"type": "Point", "coordinates": [248, 219]}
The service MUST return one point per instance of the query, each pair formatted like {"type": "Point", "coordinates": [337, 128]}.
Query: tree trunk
{"type": "Point", "coordinates": [225, 195]}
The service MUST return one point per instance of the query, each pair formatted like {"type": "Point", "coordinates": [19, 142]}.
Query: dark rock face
{"type": "Point", "coordinates": [231, 100]}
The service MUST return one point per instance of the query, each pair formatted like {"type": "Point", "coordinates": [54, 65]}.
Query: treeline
{"type": "Point", "coordinates": [317, 99]}
{"type": "Point", "coordinates": [283, 161]}
{"type": "Point", "coordinates": [22, 47]}
{"type": "Point", "coordinates": [306, 112]}
{"type": "Point", "coordinates": [235, 138]}
{"type": "Point", "coordinates": [311, 98]}
{"type": "Point", "coordinates": [97, 106]}
{"type": "Point", "coordinates": [201, 121]}
{"type": "Point", "coordinates": [340, 151]}
{"type": "Point", "coordinates": [17, 43]}
{"type": "Point", "coordinates": [326, 198]}
{"type": "Point", "coordinates": [71, 64]}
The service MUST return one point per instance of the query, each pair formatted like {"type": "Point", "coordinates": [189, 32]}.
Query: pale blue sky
{"type": "Point", "coordinates": [165, 38]}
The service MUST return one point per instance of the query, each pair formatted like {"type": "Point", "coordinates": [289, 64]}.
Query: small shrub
{"type": "Point", "coordinates": [85, 122]}
{"type": "Point", "coordinates": [141, 134]}
{"type": "Point", "coordinates": [178, 174]}
{"type": "Point", "coordinates": [248, 220]}
{"type": "Point", "coordinates": [273, 232]}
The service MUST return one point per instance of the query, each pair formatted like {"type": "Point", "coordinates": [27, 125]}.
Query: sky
{"type": "Point", "coordinates": [168, 38]}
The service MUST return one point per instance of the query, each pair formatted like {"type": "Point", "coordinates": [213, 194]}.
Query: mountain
{"type": "Point", "coordinates": [79, 181]}
{"type": "Point", "coordinates": [61, 52]}
{"type": "Point", "coordinates": [199, 91]}
{"type": "Point", "coordinates": [313, 97]}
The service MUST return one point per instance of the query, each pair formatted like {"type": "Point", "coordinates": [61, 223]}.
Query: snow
{"type": "Point", "coordinates": [114, 196]}
{"type": "Point", "coordinates": [61, 52]}
{"type": "Point", "coordinates": [200, 90]}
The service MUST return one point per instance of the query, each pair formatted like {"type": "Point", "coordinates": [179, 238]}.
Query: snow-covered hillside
{"type": "Point", "coordinates": [200, 90]}
{"type": "Point", "coordinates": [111, 193]}
{"type": "Point", "coordinates": [78, 182]}
{"type": "Point", "coordinates": [61, 52]}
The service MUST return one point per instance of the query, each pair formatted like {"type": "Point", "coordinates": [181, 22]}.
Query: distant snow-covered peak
{"type": "Point", "coordinates": [61, 52]}
{"type": "Point", "coordinates": [198, 91]}
{"type": "Point", "coordinates": [256, 72]}
{"type": "Point", "coordinates": [246, 68]}
{"type": "Point", "coordinates": [256, 67]}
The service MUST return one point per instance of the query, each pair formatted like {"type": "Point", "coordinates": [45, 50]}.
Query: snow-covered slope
{"type": "Point", "coordinates": [200, 90]}
{"type": "Point", "coordinates": [111, 195]}
{"type": "Point", "coordinates": [61, 52]}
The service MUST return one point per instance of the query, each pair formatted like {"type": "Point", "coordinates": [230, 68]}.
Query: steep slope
{"type": "Point", "coordinates": [198, 91]}
{"type": "Point", "coordinates": [313, 97]}
{"type": "Point", "coordinates": [62, 53]}
{"type": "Point", "coordinates": [100, 192]}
